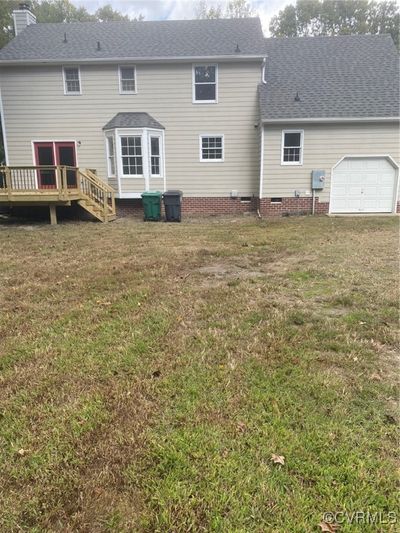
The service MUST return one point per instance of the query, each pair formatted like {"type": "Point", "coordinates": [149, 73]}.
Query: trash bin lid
{"type": "Point", "coordinates": [150, 193]}
{"type": "Point", "coordinates": [173, 193]}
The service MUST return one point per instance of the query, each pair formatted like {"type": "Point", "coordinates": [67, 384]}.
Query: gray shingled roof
{"type": "Point", "coordinates": [336, 77]}
{"type": "Point", "coordinates": [123, 40]}
{"type": "Point", "coordinates": [133, 120]}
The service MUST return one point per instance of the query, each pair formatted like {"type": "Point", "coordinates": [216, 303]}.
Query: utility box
{"type": "Point", "coordinates": [317, 179]}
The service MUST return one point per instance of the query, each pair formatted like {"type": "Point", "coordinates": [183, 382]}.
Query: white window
{"type": "Point", "coordinates": [292, 147]}
{"type": "Point", "coordinates": [211, 148]}
{"type": "Point", "coordinates": [205, 84]}
{"type": "Point", "coordinates": [155, 155]}
{"type": "Point", "coordinates": [72, 80]}
{"type": "Point", "coordinates": [127, 80]}
{"type": "Point", "coordinates": [131, 155]}
{"type": "Point", "coordinates": [111, 155]}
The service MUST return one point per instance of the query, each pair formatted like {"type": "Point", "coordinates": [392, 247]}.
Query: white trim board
{"type": "Point", "coordinates": [328, 120]}
{"type": "Point", "coordinates": [134, 59]}
{"type": "Point", "coordinates": [3, 127]}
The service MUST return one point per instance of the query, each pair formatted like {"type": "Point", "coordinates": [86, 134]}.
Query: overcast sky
{"type": "Point", "coordinates": [181, 9]}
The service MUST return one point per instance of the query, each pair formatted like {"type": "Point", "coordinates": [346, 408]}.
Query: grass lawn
{"type": "Point", "coordinates": [148, 372]}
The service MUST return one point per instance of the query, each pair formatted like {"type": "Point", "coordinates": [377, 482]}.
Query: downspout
{"type": "Point", "coordinates": [261, 167]}
{"type": "Point", "coordinates": [264, 65]}
{"type": "Point", "coordinates": [264, 81]}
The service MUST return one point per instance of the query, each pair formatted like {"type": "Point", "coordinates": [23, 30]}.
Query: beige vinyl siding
{"type": "Point", "coordinates": [137, 185]}
{"type": "Point", "coordinates": [36, 108]}
{"type": "Point", "coordinates": [324, 146]}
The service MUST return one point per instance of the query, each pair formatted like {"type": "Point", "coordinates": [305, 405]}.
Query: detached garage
{"type": "Point", "coordinates": [364, 185]}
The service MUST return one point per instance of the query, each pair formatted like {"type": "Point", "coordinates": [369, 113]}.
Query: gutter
{"type": "Point", "coordinates": [329, 119]}
{"type": "Point", "coordinates": [150, 59]}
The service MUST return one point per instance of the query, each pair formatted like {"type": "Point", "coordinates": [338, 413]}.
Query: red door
{"type": "Point", "coordinates": [55, 153]}
{"type": "Point", "coordinates": [65, 155]}
{"type": "Point", "coordinates": [44, 155]}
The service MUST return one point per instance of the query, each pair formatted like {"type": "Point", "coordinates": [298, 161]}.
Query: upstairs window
{"type": "Point", "coordinates": [205, 80]}
{"type": "Point", "coordinates": [211, 148]}
{"type": "Point", "coordinates": [131, 154]}
{"type": "Point", "coordinates": [72, 80]}
{"type": "Point", "coordinates": [292, 147]}
{"type": "Point", "coordinates": [127, 80]}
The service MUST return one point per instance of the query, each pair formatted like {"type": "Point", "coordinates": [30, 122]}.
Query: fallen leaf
{"type": "Point", "coordinates": [278, 459]}
{"type": "Point", "coordinates": [241, 426]}
{"type": "Point", "coordinates": [22, 452]}
{"type": "Point", "coordinates": [329, 528]}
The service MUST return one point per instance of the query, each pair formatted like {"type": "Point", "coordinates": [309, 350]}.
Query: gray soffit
{"type": "Point", "coordinates": [133, 120]}
{"type": "Point", "coordinates": [337, 78]}
{"type": "Point", "coordinates": [231, 38]}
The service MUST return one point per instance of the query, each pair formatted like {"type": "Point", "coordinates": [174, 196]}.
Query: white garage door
{"type": "Point", "coordinates": [363, 185]}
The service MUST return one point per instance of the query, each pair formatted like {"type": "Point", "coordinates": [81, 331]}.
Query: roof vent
{"type": "Point", "coordinates": [98, 45]}
{"type": "Point", "coordinates": [297, 97]}
{"type": "Point", "coordinates": [237, 49]}
{"type": "Point", "coordinates": [65, 38]}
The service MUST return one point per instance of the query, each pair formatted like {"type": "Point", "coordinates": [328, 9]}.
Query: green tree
{"type": "Point", "coordinates": [6, 22]}
{"type": "Point", "coordinates": [237, 9]}
{"type": "Point", "coordinates": [334, 17]}
{"type": "Point", "coordinates": [108, 14]}
{"type": "Point", "coordinates": [55, 11]}
{"type": "Point", "coordinates": [60, 11]}
{"type": "Point", "coordinates": [204, 11]}
{"type": "Point", "coordinates": [234, 9]}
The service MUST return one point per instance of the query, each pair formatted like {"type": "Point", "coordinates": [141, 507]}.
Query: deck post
{"type": "Point", "coordinates": [53, 214]}
{"type": "Point", "coordinates": [8, 182]}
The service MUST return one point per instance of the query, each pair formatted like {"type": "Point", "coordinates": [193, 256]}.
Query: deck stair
{"type": "Point", "coordinates": [57, 185]}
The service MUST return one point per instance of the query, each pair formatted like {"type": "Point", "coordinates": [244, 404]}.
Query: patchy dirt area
{"type": "Point", "coordinates": [149, 372]}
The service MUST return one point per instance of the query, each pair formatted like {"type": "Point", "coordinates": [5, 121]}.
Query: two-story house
{"type": "Point", "coordinates": [211, 107]}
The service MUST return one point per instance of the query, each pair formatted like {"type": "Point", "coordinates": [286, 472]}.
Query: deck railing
{"type": "Point", "coordinates": [97, 190]}
{"type": "Point", "coordinates": [43, 178]}
{"type": "Point", "coordinates": [56, 183]}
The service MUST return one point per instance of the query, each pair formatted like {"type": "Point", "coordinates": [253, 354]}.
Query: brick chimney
{"type": "Point", "coordinates": [23, 17]}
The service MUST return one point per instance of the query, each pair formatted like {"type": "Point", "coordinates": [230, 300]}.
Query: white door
{"type": "Point", "coordinates": [363, 185]}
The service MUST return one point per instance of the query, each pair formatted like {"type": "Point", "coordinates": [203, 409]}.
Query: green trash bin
{"type": "Point", "coordinates": [152, 205]}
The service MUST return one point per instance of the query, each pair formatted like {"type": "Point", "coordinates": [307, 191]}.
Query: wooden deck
{"type": "Point", "coordinates": [57, 185]}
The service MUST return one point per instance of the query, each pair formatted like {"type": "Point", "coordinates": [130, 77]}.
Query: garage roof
{"type": "Point", "coordinates": [348, 76]}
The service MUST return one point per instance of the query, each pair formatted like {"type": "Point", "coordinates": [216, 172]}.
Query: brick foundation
{"type": "Point", "coordinates": [131, 207]}
{"type": "Point", "coordinates": [230, 206]}
{"type": "Point", "coordinates": [292, 206]}
{"type": "Point", "coordinates": [217, 206]}
{"type": "Point", "coordinates": [191, 206]}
